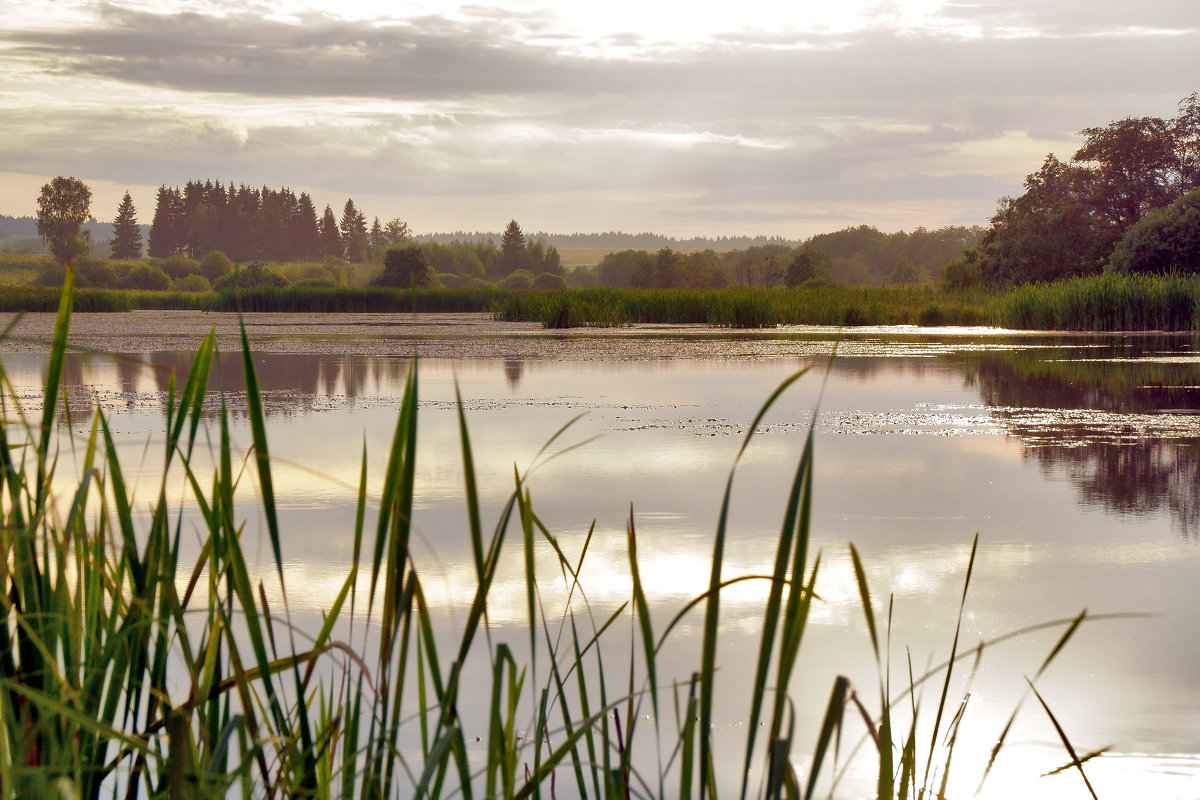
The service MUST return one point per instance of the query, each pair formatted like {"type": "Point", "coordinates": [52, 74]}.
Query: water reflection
{"type": "Point", "coordinates": [1118, 420]}
{"type": "Point", "coordinates": [1021, 439]}
{"type": "Point", "coordinates": [1118, 417]}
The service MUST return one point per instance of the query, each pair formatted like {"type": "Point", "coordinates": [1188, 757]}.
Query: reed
{"type": "Point", "coordinates": [740, 307]}
{"type": "Point", "coordinates": [125, 671]}
{"type": "Point", "coordinates": [1108, 302]}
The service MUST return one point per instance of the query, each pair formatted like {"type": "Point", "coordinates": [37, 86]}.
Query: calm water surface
{"type": "Point", "coordinates": [1074, 459]}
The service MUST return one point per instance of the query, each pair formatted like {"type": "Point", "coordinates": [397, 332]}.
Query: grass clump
{"type": "Point", "coordinates": [127, 672]}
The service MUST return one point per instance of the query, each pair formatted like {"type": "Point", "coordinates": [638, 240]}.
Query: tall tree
{"type": "Point", "coordinates": [395, 231]}
{"type": "Point", "coordinates": [512, 249]}
{"type": "Point", "coordinates": [376, 237]}
{"type": "Point", "coordinates": [62, 209]}
{"type": "Point", "coordinates": [1072, 215]}
{"type": "Point", "coordinates": [330, 241]}
{"type": "Point", "coordinates": [159, 233]}
{"type": "Point", "coordinates": [353, 230]}
{"type": "Point", "coordinates": [303, 232]}
{"type": "Point", "coordinates": [127, 236]}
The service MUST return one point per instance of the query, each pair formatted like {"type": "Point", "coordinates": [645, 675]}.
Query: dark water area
{"type": "Point", "coordinates": [1075, 459]}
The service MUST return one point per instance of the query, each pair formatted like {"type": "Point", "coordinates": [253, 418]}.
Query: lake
{"type": "Point", "coordinates": [1075, 459]}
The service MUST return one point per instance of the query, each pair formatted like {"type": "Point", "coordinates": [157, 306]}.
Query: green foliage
{"type": "Point", "coordinates": [215, 265]}
{"type": "Point", "coordinates": [23, 268]}
{"type": "Point", "coordinates": [518, 280]}
{"type": "Point", "coordinates": [1109, 302]}
{"type": "Point", "coordinates": [179, 266]}
{"type": "Point", "coordinates": [960, 275]}
{"type": "Point", "coordinates": [318, 275]}
{"type": "Point", "coordinates": [146, 277]}
{"type": "Point", "coordinates": [352, 230]}
{"type": "Point", "coordinates": [512, 249]}
{"type": "Point", "coordinates": [191, 283]}
{"type": "Point", "coordinates": [807, 264]}
{"type": "Point", "coordinates": [329, 240]}
{"type": "Point", "coordinates": [1165, 240]}
{"type": "Point", "coordinates": [1072, 215]}
{"type": "Point", "coordinates": [254, 276]}
{"type": "Point", "coordinates": [905, 272]}
{"type": "Point", "coordinates": [404, 267]}
{"type": "Point", "coordinates": [89, 272]}
{"type": "Point", "coordinates": [127, 236]}
{"type": "Point", "coordinates": [62, 208]}
{"type": "Point", "coordinates": [548, 280]}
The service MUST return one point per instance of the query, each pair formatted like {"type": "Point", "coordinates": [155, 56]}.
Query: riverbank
{"type": "Point", "coordinates": [1108, 302]}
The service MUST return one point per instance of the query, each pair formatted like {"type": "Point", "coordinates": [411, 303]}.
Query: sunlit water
{"type": "Point", "coordinates": [1075, 460]}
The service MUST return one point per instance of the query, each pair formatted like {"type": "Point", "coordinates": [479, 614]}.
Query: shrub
{"type": "Point", "coordinates": [960, 275]}
{"type": "Point", "coordinates": [1165, 240]}
{"type": "Point", "coordinates": [215, 265]}
{"type": "Point", "coordinates": [191, 283]}
{"type": "Point", "coordinates": [92, 273]}
{"type": "Point", "coordinates": [404, 267]}
{"type": "Point", "coordinates": [548, 280]}
{"type": "Point", "coordinates": [255, 276]}
{"type": "Point", "coordinates": [146, 277]}
{"type": "Point", "coordinates": [177, 266]}
{"type": "Point", "coordinates": [518, 280]}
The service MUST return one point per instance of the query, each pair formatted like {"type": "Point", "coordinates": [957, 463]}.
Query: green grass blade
{"type": "Point", "coordinates": [1062, 735]}
{"type": "Point", "coordinates": [831, 725]}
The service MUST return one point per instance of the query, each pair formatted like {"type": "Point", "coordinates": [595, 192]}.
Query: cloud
{"type": "Point", "coordinates": [491, 104]}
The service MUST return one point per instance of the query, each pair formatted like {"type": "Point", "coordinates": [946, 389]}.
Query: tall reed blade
{"type": "Point", "coordinates": [712, 607]}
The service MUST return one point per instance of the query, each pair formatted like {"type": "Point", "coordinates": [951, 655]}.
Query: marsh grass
{"type": "Point", "coordinates": [1108, 302]}
{"type": "Point", "coordinates": [127, 672]}
{"type": "Point", "coordinates": [738, 307]}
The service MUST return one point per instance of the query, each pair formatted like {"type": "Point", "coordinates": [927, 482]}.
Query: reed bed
{"type": "Point", "coordinates": [1108, 302]}
{"type": "Point", "coordinates": [126, 672]}
{"type": "Point", "coordinates": [740, 307]}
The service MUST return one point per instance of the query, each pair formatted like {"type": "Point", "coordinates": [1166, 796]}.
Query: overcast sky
{"type": "Point", "coordinates": [754, 117]}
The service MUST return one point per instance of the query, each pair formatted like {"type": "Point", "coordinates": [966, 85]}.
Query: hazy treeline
{"type": "Point", "coordinates": [22, 235]}
{"type": "Point", "coordinates": [615, 240]}
{"type": "Point", "coordinates": [857, 256]}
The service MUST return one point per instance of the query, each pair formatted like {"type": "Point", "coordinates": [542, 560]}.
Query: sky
{"type": "Point", "coordinates": [759, 117]}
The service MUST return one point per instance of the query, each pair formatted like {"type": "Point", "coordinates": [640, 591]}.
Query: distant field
{"type": "Point", "coordinates": [573, 257]}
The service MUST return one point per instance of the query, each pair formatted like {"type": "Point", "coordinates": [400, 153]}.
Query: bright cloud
{"type": "Point", "coordinates": [755, 118]}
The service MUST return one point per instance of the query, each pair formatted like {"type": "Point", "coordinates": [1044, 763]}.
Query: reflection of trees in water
{"type": "Point", "coordinates": [290, 383]}
{"type": "Point", "coordinates": [1142, 478]}
{"type": "Point", "coordinates": [1128, 469]}
{"type": "Point", "coordinates": [513, 369]}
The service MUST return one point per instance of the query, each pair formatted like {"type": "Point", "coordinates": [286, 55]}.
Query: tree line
{"type": "Point", "coordinates": [861, 255]}
{"type": "Point", "coordinates": [1128, 200]}
{"type": "Point", "coordinates": [261, 224]}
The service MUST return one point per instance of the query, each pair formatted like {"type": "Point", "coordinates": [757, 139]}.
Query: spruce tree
{"type": "Point", "coordinates": [167, 231]}
{"type": "Point", "coordinates": [303, 229]}
{"type": "Point", "coordinates": [512, 248]}
{"type": "Point", "coordinates": [375, 237]}
{"type": "Point", "coordinates": [330, 241]}
{"type": "Point", "coordinates": [127, 236]}
{"type": "Point", "coordinates": [353, 230]}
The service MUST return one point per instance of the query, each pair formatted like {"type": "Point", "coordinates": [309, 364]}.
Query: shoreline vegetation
{"type": "Point", "coordinates": [128, 671]}
{"type": "Point", "coordinates": [1107, 302]}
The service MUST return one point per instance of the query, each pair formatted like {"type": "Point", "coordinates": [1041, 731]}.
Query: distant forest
{"type": "Point", "coordinates": [250, 225]}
